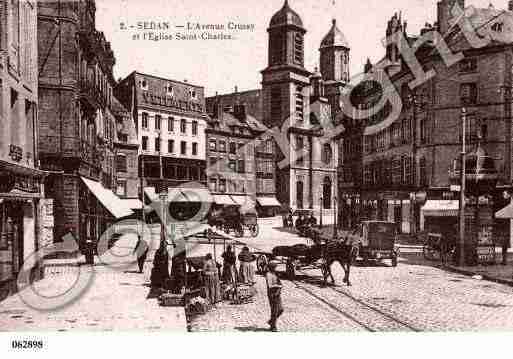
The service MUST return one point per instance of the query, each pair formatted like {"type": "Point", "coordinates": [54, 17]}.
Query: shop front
{"type": "Point", "coordinates": [21, 201]}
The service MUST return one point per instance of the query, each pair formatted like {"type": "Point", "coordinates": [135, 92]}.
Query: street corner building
{"type": "Point", "coordinates": [25, 215]}
{"type": "Point", "coordinates": [297, 109]}
{"type": "Point", "coordinates": [405, 168]}
{"type": "Point", "coordinates": [170, 123]}
{"type": "Point", "coordinates": [78, 122]}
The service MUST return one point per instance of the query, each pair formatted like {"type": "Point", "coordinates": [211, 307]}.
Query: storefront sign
{"type": "Point", "coordinates": [173, 103]}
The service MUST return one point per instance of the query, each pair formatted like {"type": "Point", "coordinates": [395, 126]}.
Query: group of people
{"type": "Point", "coordinates": [246, 272]}
{"type": "Point", "coordinates": [305, 223]}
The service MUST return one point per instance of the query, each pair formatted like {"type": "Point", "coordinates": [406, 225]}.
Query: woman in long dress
{"type": "Point", "coordinates": [229, 266]}
{"type": "Point", "coordinates": [246, 268]}
{"type": "Point", "coordinates": [160, 270]}
{"type": "Point", "coordinates": [211, 280]}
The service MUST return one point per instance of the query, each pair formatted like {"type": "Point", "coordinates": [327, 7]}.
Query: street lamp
{"type": "Point", "coordinates": [335, 229]}
{"type": "Point", "coordinates": [462, 188]}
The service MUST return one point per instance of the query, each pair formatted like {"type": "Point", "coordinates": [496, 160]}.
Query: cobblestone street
{"type": "Point", "coordinates": [414, 296]}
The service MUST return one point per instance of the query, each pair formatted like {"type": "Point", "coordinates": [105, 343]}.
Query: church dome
{"type": "Point", "coordinates": [286, 16]}
{"type": "Point", "coordinates": [334, 38]}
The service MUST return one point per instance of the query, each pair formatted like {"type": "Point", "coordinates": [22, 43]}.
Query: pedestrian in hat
{"type": "Point", "coordinates": [274, 294]}
{"type": "Point", "coordinates": [141, 251]}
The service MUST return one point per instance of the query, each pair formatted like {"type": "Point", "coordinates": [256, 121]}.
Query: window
{"type": "Point", "coordinates": [121, 163]}
{"type": "Point", "coordinates": [144, 143]}
{"type": "Point", "coordinates": [240, 146]}
{"type": "Point", "coordinates": [468, 93]}
{"type": "Point", "coordinates": [498, 26]}
{"type": "Point", "coordinates": [194, 149]}
{"type": "Point", "coordinates": [121, 188]}
{"type": "Point", "coordinates": [194, 128]}
{"type": "Point", "coordinates": [213, 161]}
{"type": "Point", "coordinates": [212, 143]}
{"type": "Point", "coordinates": [212, 184]}
{"type": "Point", "coordinates": [277, 51]}
{"type": "Point", "coordinates": [299, 103]}
{"type": "Point", "coordinates": [241, 167]}
{"type": "Point", "coordinates": [193, 93]}
{"type": "Point", "coordinates": [299, 143]}
{"type": "Point", "coordinates": [468, 65]}
{"type": "Point", "coordinates": [327, 153]}
{"type": "Point", "coordinates": [298, 49]}
{"type": "Point", "coordinates": [169, 90]}
{"type": "Point", "coordinates": [222, 146]}
{"type": "Point", "coordinates": [424, 130]}
{"type": "Point", "coordinates": [276, 104]}
{"type": "Point", "coordinates": [14, 98]}
{"type": "Point", "coordinates": [222, 185]}
{"type": "Point", "coordinates": [183, 126]}
{"type": "Point", "coordinates": [407, 170]}
{"type": "Point", "coordinates": [183, 147]}
{"type": "Point", "coordinates": [170, 146]}
{"type": "Point", "coordinates": [144, 120]}
{"type": "Point", "coordinates": [232, 164]}
{"type": "Point", "coordinates": [170, 124]}
{"type": "Point", "coordinates": [233, 148]}
{"type": "Point", "coordinates": [144, 85]}
{"type": "Point", "coordinates": [158, 120]}
{"type": "Point", "coordinates": [157, 144]}
{"type": "Point", "coordinates": [423, 172]}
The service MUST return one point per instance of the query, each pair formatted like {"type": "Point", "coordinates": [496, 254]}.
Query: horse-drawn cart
{"type": "Point", "coordinates": [317, 256]}
{"type": "Point", "coordinates": [239, 223]}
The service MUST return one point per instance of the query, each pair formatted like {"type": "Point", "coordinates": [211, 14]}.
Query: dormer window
{"type": "Point", "coordinates": [498, 26]}
{"type": "Point", "coordinates": [169, 90]}
{"type": "Point", "coordinates": [144, 85]}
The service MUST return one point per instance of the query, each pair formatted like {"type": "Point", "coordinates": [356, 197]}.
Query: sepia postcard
{"type": "Point", "coordinates": [239, 166]}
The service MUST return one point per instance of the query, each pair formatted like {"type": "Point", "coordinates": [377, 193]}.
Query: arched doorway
{"type": "Point", "coordinates": [326, 193]}
{"type": "Point", "coordinates": [299, 194]}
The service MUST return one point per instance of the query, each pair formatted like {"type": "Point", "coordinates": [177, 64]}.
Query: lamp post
{"type": "Point", "coordinates": [462, 189]}
{"type": "Point", "coordinates": [335, 227]}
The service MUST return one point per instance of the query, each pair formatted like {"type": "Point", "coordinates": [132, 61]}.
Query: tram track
{"type": "Point", "coordinates": [367, 316]}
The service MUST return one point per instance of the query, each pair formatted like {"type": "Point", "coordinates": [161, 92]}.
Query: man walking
{"type": "Point", "coordinates": [141, 251]}
{"type": "Point", "coordinates": [274, 294]}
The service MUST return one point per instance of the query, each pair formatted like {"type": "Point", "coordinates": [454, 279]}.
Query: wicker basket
{"type": "Point", "coordinates": [171, 300]}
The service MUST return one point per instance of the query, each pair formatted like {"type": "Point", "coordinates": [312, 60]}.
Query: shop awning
{"type": "Point", "coordinates": [108, 199]}
{"type": "Point", "coordinates": [441, 208]}
{"type": "Point", "coordinates": [241, 200]}
{"type": "Point", "coordinates": [268, 202]}
{"type": "Point", "coordinates": [150, 193]}
{"type": "Point", "coordinates": [506, 212]}
{"type": "Point", "coordinates": [180, 194]}
{"type": "Point", "coordinates": [223, 199]}
{"type": "Point", "coordinates": [132, 203]}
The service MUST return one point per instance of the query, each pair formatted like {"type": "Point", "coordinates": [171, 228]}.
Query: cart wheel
{"type": "Point", "coordinates": [254, 230]}
{"type": "Point", "coordinates": [291, 274]}
{"type": "Point", "coordinates": [262, 262]}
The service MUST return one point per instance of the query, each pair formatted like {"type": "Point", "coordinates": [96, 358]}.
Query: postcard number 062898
{"type": "Point", "coordinates": [27, 344]}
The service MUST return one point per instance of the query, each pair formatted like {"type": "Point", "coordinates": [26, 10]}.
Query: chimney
{"type": "Point", "coordinates": [510, 5]}
{"type": "Point", "coordinates": [445, 13]}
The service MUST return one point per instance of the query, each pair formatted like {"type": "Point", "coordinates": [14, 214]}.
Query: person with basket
{"type": "Point", "coordinates": [274, 294]}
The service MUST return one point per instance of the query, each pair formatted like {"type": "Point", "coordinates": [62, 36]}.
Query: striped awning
{"type": "Point", "coordinates": [441, 208]}
{"type": "Point", "coordinates": [268, 202]}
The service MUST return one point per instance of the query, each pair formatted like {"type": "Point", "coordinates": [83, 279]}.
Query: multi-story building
{"type": "Point", "coordinates": [296, 107]}
{"type": "Point", "coordinates": [408, 158]}
{"type": "Point", "coordinates": [76, 119]}
{"type": "Point", "coordinates": [170, 121]}
{"type": "Point", "coordinates": [24, 214]}
{"type": "Point", "coordinates": [236, 118]}
{"type": "Point", "coordinates": [127, 154]}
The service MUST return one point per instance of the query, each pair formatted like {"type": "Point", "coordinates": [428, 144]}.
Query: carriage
{"type": "Point", "coordinates": [240, 223]}
{"type": "Point", "coordinates": [303, 257]}
{"type": "Point", "coordinates": [376, 240]}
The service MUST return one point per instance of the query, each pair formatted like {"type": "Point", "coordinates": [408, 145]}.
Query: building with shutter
{"type": "Point", "coordinates": [26, 222]}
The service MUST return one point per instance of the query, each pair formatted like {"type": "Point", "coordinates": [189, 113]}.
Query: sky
{"type": "Point", "coordinates": [220, 65]}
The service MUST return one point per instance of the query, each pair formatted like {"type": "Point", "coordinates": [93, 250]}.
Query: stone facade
{"type": "Point", "coordinates": [76, 120]}
{"type": "Point", "coordinates": [170, 122]}
{"type": "Point", "coordinates": [24, 219]}
{"type": "Point", "coordinates": [408, 159]}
